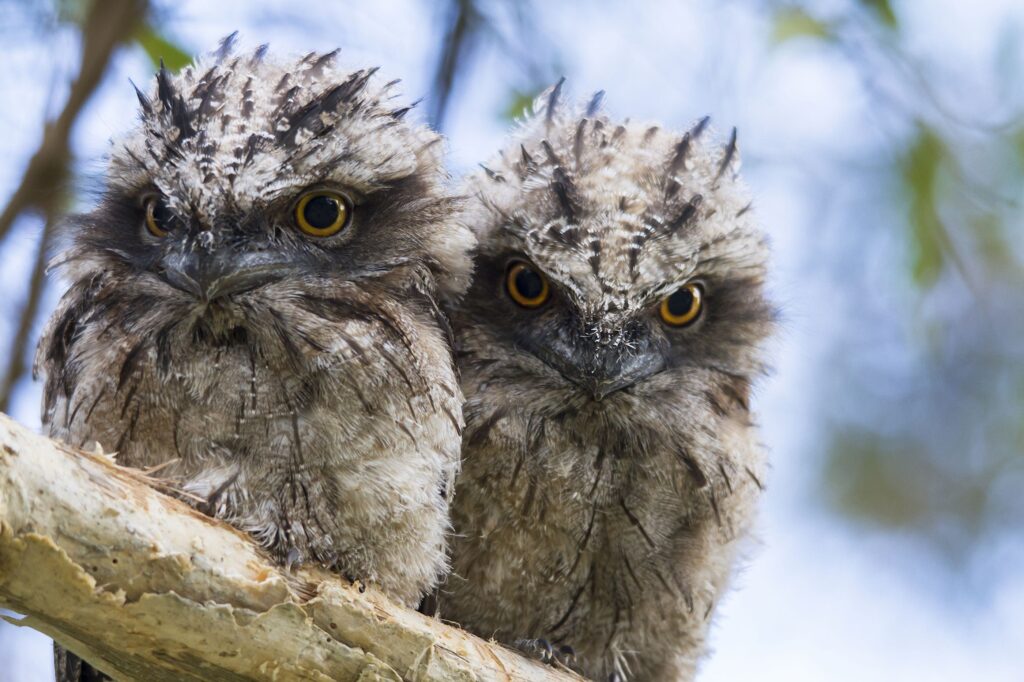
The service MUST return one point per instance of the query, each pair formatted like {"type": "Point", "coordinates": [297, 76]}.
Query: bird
{"type": "Point", "coordinates": [253, 313]}
{"type": "Point", "coordinates": [608, 346]}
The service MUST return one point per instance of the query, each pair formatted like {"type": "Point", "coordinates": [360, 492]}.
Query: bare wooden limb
{"type": "Point", "coordinates": [147, 588]}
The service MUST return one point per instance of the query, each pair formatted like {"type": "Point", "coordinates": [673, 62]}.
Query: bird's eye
{"type": "Point", "coordinates": [526, 286]}
{"type": "Point", "coordinates": [158, 217]}
{"type": "Point", "coordinates": [322, 213]}
{"type": "Point", "coordinates": [682, 307]}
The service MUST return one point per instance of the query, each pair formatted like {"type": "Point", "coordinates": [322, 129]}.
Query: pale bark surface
{"type": "Point", "coordinates": [147, 588]}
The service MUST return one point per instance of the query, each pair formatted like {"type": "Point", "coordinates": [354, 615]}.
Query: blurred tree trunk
{"type": "Point", "coordinates": [42, 189]}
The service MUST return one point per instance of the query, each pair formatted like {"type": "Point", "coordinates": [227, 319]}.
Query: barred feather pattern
{"type": "Point", "coordinates": [609, 524]}
{"type": "Point", "coordinates": [319, 411]}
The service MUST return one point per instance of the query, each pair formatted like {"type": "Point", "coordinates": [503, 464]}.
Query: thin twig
{"type": "Point", "coordinates": [19, 344]}
{"type": "Point", "coordinates": [108, 24]}
{"type": "Point", "coordinates": [465, 22]}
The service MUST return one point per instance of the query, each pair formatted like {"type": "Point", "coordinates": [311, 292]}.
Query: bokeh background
{"type": "Point", "coordinates": [884, 140]}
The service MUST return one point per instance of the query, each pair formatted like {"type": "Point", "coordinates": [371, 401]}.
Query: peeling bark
{"type": "Point", "coordinates": [145, 587]}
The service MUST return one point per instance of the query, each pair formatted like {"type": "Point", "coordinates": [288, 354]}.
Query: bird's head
{"type": "Point", "coordinates": [248, 175]}
{"type": "Point", "coordinates": [618, 264]}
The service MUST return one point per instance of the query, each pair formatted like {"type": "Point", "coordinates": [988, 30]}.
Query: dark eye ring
{"type": "Point", "coordinates": [683, 306]}
{"type": "Point", "coordinates": [322, 213]}
{"type": "Point", "coordinates": [526, 286]}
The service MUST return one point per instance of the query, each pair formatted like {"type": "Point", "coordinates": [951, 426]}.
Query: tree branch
{"type": "Point", "coordinates": [464, 20]}
{"type": "Point", "coordinates": [145, 587]}
{"type": "Point", "coordinates": [19, 345]}
{"type": "Point", "coordinates": [108, 24]}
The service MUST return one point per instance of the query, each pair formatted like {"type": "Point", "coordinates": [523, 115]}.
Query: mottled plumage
{"type": "Point", "coordinates": [299, 387]}
{"type": "Point", "coordinates": [610, 467]}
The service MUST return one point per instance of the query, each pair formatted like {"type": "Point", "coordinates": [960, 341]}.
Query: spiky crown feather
{"type": "Point", "coordinates": [619, 213]}
{"type": "Point", "coordinates": [234, 134]}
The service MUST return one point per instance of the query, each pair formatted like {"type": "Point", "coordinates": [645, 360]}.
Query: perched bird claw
{"type": "Point", "coordinates": [566, 655]}
{"type": "Point", "coordinates": [355, 581]}
{"type": "Point", "coordinates": [542, 650]}
{"type": "Point", "coordinates": [294, 559]}
{"type": "Point", "coordinates": [539, 649]}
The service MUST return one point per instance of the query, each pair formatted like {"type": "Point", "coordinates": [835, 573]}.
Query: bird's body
{"type": "Point", "coordinates": [297, 383]}
{"type": "Point", "coordinates": [610, 466]}
{"type": "Point", "coordinates": [319, 448]}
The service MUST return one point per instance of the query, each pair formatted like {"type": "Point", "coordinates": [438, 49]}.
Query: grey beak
{"type": "Point", "coordinates": [614, 370]}
{"type": "Point", "coordinates": [602, 369]}
{"type": "Point", "coordinates": [209, 276]}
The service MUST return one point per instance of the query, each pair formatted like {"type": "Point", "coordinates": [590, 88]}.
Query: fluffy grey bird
{"type": "Point", "coordinates": [607, 347]}
{"type": "Point", "coordinates": [253, 311]}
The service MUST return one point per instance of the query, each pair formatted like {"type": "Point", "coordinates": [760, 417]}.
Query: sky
{"type": "Point", "coordinates": [818, 598]}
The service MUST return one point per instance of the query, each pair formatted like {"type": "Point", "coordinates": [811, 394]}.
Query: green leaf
{"type": "Point", "coordinates": [990, 235]}
{"type": "Point", "coordinates": [1017, 144]}
{"type": "Point", "coordinates": [158, 47]}
{"type": "Point", "coordinates": [883, 10]}
{"type": "Point", "coordinates": [889, 481]}
{"type": "Point", "coordinates": [792, 23]}
{"type": "Point", "coordinates": [920, 169]}
{"type": "Point", "coordinates": [519, 104]}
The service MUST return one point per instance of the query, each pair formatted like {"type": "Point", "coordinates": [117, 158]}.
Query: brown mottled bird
{"type": "Point", "coordinates": [607, 347]}
{"type": "Point", "coordinates": [253, 309]}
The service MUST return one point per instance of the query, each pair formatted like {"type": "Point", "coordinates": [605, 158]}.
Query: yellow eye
{"type": "Point", "coordinates": [322, 213]}
{"type": "Point", "coordinates": [683, 307]}
{"type": "Point", "coordinates": [526, 286]}
{"type": "Point", "coordinates": [157, 217]}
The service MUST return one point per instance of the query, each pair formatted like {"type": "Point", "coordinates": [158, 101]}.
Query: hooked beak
{"type": "Point", "coordinates": [601, 386]}
{"type": "Point", "coordinates": [604, 369]}
{"type": "Point", "coordinates": [209, 276]}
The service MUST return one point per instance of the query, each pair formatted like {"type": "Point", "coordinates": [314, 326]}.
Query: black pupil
{"type": "Point", "coordinates": [680, 303]}
{"type": "Point", "coordinates": [529, 284]}
{"type": "Point", "coordinates": [321, 212]}
{"type": "Point", "coordinates": [161, 215]}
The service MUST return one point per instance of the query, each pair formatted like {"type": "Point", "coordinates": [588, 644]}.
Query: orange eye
{"type": "Point", "coordinates": [526, 286]}
{"type": "Point", "coordinates": [322, 213]}
{"type": "Point", "coordinates": [157, 217]}
{"type": "Point", "coordinates": [683, 307]}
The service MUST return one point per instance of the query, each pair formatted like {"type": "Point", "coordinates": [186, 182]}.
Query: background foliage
{"type": "Point", "coordinates": [884, 140]}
